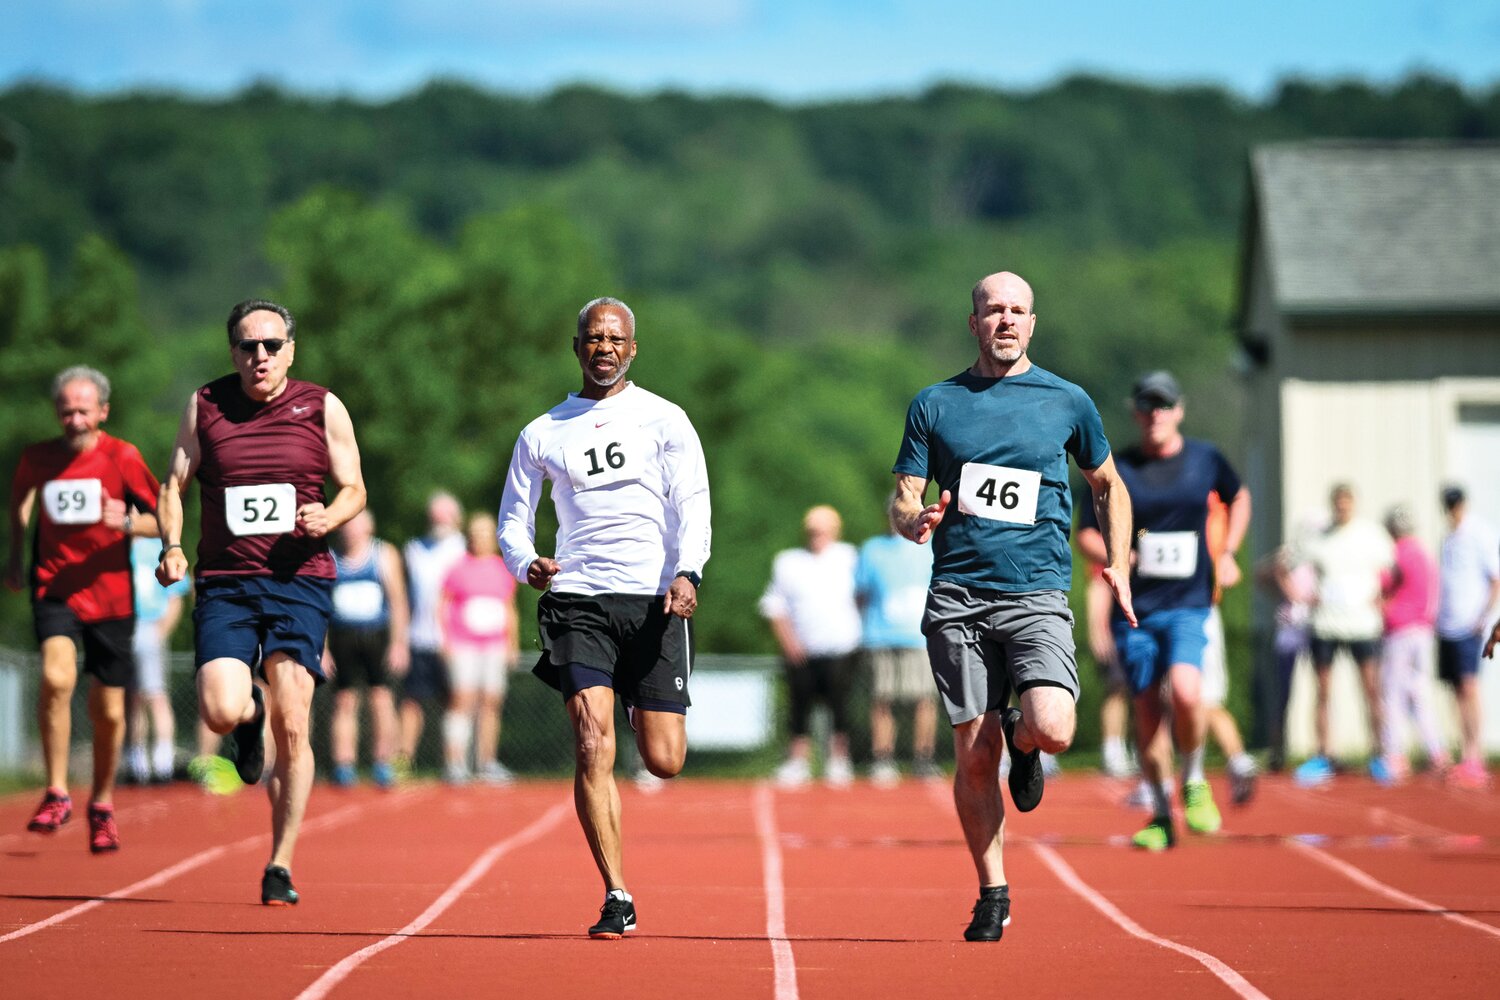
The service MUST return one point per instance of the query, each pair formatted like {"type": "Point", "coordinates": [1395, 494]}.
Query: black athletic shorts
{"type": "Point", "coordinates": [1324, 650]}
{"type": "Point", "coordinates": [427, 677]}
{"type": "Point", "coordinates": [108, 646]}
{"type": "Point", "coordinates": [645, 653]}
{"type": "Point", "coordinates": [358, 656]}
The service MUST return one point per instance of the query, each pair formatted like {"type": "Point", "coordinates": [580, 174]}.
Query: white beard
{"type": "Point", "coordinates": [605, 383]}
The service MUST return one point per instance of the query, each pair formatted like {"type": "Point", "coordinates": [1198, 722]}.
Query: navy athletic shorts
{"type": "Point", "coordinates": [247, 618]}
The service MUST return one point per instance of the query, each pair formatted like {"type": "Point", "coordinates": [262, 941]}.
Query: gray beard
{"type": "Point", "coordinates": [605, 383]}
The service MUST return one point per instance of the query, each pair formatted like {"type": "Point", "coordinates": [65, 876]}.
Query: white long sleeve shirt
{"type": "Point", "coordinates": [631, 490]}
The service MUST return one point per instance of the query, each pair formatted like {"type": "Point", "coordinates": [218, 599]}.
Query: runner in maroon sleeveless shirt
{"type": "Point", "coordinates": [95, 491]}
{"type": "Point", "coordinates": [261, 445]}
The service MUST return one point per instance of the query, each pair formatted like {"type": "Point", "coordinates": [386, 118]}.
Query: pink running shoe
{"type": "Point", "coordinates": [1469, 774]}
{"type": "Point", "coordinates": [55, 810]}
{"type": "Point", "coordinates": [104, 835]}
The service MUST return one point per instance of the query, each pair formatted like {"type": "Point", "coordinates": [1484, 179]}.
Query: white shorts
{"type": "Point", "coordinates": [1215, 662]}
{"type": "Point", "coordinates": [478, 668]}
{"type": "Point", "coordinates": [150, 659]}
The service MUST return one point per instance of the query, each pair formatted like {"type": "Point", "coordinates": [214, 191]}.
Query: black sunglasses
{"type": "Point", "coordinates": [272, 346]}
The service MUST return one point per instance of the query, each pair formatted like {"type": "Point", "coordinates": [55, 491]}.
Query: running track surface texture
{"type": "Point", "coordinates": [748, 891]}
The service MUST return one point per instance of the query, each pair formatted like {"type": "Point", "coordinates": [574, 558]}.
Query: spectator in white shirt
{"type": "Point", "coordinates": [1469, 579]}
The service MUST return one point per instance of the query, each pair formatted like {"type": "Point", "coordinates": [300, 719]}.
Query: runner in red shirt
{"type": "Point", "coordinates": [95, 492]}
{"type": "Point", "coordinates": [261, 446]}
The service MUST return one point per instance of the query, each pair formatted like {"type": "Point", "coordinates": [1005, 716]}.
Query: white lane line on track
{"type": "Point", "coordinates": [1367, 881]}
{"type": "Point", "coordinates": [784, 963]}
{"type": "Point", "coordinates": [1378, 815]}
{"type": "Point", "coordinates": [1069, 877]}
{"type": "Point", "coordinates": [1094, 898]}
{"type": "Point", "coordinates": [180, 868]}
{"type": "Point", "coordinates": [330, 979]}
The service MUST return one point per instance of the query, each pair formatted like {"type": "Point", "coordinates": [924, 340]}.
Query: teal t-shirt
{"type": "Point", "coordinates": [1001, 447]}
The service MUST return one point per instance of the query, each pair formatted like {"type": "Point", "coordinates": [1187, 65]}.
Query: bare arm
{"type": "Point", "coordinates": [393, 577]}
{"type": "Point", "coordinates": [913, 517]}
{"type": "Point", "coordinates": [20, 517]}
{"type": "Point", "coordinates": [1227, 570]}
{"type": "Point", "coordinates": [1112, 509]}
{"type": "Point", "coordinates": [786, 638]}
{"type": "Point", "coordinates": [317, 519]}
{"type": "Point", "coordinates": [167, 623]}
{"type": "Point", "coordinates": [181, 469]}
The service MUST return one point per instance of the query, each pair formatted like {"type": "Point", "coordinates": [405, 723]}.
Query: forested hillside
{"type": "Point", "coordinates": [799, 271]}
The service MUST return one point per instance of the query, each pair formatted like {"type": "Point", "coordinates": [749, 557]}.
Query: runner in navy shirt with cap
{"type": "Point", "coordinates": [1172, 581]}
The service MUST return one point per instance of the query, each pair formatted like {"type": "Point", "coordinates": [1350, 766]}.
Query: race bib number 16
{"type": "Point", "coordinates": [261, 510]}
{"type": "Point", "coordinates": [73, 501]}
{"type": "Point", "coordinates": [606, 456]}
{"type": "Point", "coordinates": [999, 493]}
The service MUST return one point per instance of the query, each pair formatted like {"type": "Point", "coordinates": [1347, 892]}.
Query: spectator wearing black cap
{"type": "Point", "coordinates": [1469, 575]}
{"type": "Point", "coordinates": [1170, 478]}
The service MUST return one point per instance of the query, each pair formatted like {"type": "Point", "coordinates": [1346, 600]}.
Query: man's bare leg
{"type": "Point", "coordinates": [595, 795]}
{"type": "Point", "coordinates": [107, 712]}
{"type": "Point", "coordinates": [54, 706]}
{"type": "Point", "coordinates": [977, 748]}
{"type": "Point", "coordinates": [288, 702]}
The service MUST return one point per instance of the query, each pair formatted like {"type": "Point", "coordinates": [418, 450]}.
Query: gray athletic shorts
{"type": "Point", "coordinates": [984, 644]}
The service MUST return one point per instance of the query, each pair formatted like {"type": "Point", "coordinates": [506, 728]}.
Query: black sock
{"type": "Point", "coordinates": [995, 890]}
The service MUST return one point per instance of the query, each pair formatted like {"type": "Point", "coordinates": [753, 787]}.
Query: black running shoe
{"type": "Point", "coordinates": [1025, 778]}
{"type": "Point", "coordinates": [991, 915]}
{"type": "Point", "coordinates": [276, 887]}
{"type": "Point", "coordinates": [250, 741]}
{"type": "Point", "coordinates": [616, 917]}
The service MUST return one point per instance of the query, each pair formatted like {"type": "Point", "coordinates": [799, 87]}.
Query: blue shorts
{"type": "Point", "coordinates": [1459, 658]}
{"type": "Point", "coordinates": [1177, 635]}
{"type": "Point", "coordinates": [247, 618]}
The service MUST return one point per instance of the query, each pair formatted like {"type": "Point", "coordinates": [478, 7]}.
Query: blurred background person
{"type": "Point", "coordinates": [890, 581]}
{"type": "Point", "coordinates": [1410, 591]}
{"type": "Point", "coordinates": [367, 643]}
{"type": "Point", "coordinates": [158, 610]}
{"type": "Point", "coordinates": [477, 615]}
{"type": "Point", "coordinates": [1348, 556]}
{"type": "Point", "coordinates": [1470, 591]}
{"type": "Point", "coordinates": [1114, 711]}
{"type": "Point", "coordinates": [810, 605]}
{"type": "Point", "coordinates": [428, 560]}
{"type": "Point", "coordinates": [1289, 578]}
{"type": "Point", "coordinates": [1223, 728]}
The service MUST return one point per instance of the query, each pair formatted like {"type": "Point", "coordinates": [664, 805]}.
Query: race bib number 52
{"type": "Point", "coordinates": [73, 501]}
{"type": "Point", "coordinates": [999, 493]}
{"type": "Point", "coordinates": [261, 510]}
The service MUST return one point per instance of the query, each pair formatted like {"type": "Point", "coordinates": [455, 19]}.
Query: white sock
{"type": "Point", "coordinates": [1114, 750]}
{"type": "Point", "coordinates": [457, 730]}
{"type": "Point", "coordinates": [1192, 765]}
{"type": "Point", "coordinates": [163, 756]}
{"type": "Point", "coordinates": [1242, 763]}
{"type": "Point", "coordinates": [619, 894]}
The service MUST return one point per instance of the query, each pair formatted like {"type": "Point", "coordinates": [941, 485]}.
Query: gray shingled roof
{"type": "Point", "coordinates": [1356, 227]}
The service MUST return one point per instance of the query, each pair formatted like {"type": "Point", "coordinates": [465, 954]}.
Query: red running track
{"type": "Point", "coordinates": [743, 891]}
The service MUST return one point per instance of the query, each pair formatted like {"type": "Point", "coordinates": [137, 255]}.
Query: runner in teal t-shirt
{"type": "Point", "coordinates": [997, 438]}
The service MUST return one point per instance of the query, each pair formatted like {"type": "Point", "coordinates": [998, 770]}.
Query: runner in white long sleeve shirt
{"type": "Point", "coordinates": [631, 493]}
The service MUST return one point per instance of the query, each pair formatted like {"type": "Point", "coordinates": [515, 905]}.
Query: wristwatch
{"type": "Point", "coordinates": [126, 526]}
{"type": "Point", "coordinates": [695, 579]}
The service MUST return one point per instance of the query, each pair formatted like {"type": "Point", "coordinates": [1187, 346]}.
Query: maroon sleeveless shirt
{"type": "Point", "coordinates": [243, 443]}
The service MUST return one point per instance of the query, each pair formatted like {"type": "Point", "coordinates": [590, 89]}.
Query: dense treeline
{"type": "Point", "coordinates": [799, 270]}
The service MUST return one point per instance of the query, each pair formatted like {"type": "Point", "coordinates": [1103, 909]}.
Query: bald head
{"type": "Point", "coordinates": [823, 527]}
{"type": "Point", "coordinates": [1000, 286]}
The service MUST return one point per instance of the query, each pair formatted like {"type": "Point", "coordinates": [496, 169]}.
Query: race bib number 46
{"type": "Point", "coordinates": [73, 501]}
{"type": "Point", "coordinates": [261, 510]}
{"type": "Point", "coordinates": [1167, 555]}
{"type": "Point", "coordinates": [999, 493]}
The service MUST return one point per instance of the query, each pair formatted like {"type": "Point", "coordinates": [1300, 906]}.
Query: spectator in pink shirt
{"type": "Point", "coordinates": [477, 614]}
{"type": "Point", "coordinates": [1410, 589]}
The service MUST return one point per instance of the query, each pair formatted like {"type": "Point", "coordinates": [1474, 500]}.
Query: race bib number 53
{"type": "Point", "coordinates": [999, 493]}
{"type": "Point", "coordinates": [73, 501]}
{"type": "Point", "coordinates": [261, 510]}
{"type": "Point", "coordinates": [1167, 555]}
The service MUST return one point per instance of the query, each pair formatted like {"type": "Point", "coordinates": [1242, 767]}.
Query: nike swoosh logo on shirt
{"type": "Point", "coordinates": [599, 425]}
{"type": "Point", "coordinates": [300, 409]}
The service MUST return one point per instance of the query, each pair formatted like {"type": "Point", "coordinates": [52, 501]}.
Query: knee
{"type": "Point", "coordinates": [217, 715]}
{"type": "Point", "coordinates": [595, 750]}
{"type": "Point", "coordinates": [1053, 735]}
{"type": "Point", "coordinates": [665, 767]}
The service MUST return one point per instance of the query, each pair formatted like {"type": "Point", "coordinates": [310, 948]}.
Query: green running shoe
{"type": "Point", "coordinates": [1157, 836]}
{"type": "Point", "coordinates": [215, 774]}
{"type": "Point", "coordinates": [1198, 810]}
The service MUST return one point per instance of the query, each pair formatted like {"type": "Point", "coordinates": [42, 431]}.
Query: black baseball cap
{"type": "Point", "coordinates": [1155, 390]}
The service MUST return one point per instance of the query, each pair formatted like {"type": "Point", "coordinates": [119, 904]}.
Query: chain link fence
{"type": "Point", "coordinates": [735, 727]}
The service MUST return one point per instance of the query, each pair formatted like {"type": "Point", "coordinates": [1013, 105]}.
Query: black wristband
{"type": "Point", "coordinates": [691, 577]}
{"type": "Point", "coordinates": [168, 548]}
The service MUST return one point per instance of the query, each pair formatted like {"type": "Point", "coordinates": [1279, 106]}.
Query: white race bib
{"type": "Point", "coordinates": [998, 493]}
{"type": "Point", "coordinates": [73, 501]}
{"type": "Point", "coordinates": [484, 616]}
{"type": "Point", "coordinates": [1167, 555]}
{"type": "Point", "coordinates": [358, 600]}
{"type": "Point", "coordinates": [261, 510]}
{"type": "Point", "coordinates": [609, 453]}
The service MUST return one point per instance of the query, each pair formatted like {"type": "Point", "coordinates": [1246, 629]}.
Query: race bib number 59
{"type": "Point", "coordinates": [999, 493]}
{"type": "Point", "coordinates": [261, 510]}
{"type": "Point", "coordinates": [73, 501]}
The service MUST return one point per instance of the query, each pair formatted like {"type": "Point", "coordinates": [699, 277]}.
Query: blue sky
{"type": "Point", "coordinates": [782, 49]}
